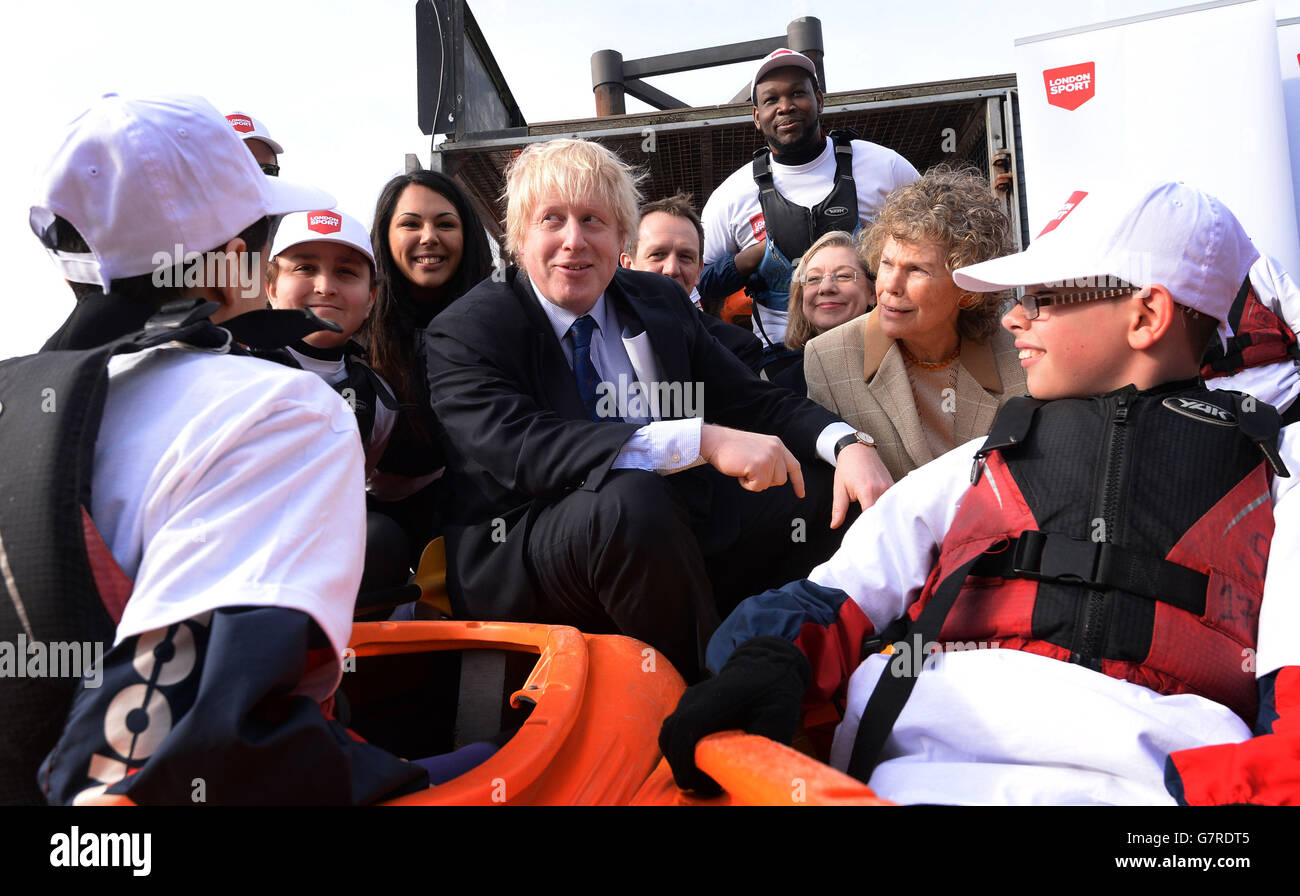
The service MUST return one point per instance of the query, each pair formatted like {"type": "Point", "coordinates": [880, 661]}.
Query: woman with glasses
{"type": "Point", "coordinates": [830, 287]}
{"type": "Point", "coordinates": [929, 366]}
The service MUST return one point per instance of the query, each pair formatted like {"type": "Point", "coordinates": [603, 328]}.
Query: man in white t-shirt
{"type": "Point", "coordinates": [761, 219]}
{"type": "Point", "coordinates": [225, 519]}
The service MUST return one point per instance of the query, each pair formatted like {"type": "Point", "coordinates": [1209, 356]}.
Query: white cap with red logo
{"type": "Point", "coordinates": [1168, 233]}
{"type": "Point", "coordinates": [250, 128]}
{"type": "Point", "coordinates": [145, 178]}
{"type": "Point", "coordinates": [329, 225]}
{"type": "Point", "coordinates": [782, 58]}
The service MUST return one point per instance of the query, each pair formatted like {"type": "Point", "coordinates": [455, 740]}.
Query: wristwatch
{"type": "Point", "coordinates": [860, 438]}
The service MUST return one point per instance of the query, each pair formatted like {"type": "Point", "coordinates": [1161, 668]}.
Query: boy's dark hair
{"type": "Point", "coordinates": [1201, 330]}
{"type": "Point", "coordinates": [679, 206]}
{"type": "Point", "coordinates": [142, 287]}
{"type": "Point", "coordinates": [389, 333]}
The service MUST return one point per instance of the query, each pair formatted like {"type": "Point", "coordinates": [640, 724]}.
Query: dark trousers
{"type": "Point", "coordinates": [664, 558]}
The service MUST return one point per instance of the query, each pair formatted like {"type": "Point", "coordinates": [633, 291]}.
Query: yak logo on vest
{"type": "Point", "coordinates": [324, 222]}
{"type": "Point", "coordinates": [1200, 410]}
{"type": "Point", "coordinates": [1070, 86]}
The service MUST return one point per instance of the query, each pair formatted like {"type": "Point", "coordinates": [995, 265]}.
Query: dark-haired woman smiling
{"type": "Point", "coordinates": [430, 248]}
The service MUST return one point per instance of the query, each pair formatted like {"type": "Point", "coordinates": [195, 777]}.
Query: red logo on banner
{"type": "Point", "coordinates": [240, 123]}
{"type": "Point", "coordinates": [324, 222]}
{"type": "Point", "coordinates": [759, 226]}
{"type": "Point", "coordinates": [1075, 198]}
{"type": "Point", "coordinates": [1071, 86]}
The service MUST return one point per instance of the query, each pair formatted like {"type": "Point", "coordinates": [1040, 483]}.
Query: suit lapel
{"type": "Point", "coordinates": [887, 381]}
{"type": "Point", "coordinates": [893, 390]}
{"type": "Point", "coordinates": [654, 343]}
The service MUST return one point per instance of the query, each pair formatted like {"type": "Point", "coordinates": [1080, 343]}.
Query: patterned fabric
{"type": "Point", "coordinates": [583, 370]}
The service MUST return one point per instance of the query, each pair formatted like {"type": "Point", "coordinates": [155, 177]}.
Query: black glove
{"type": "Point", "coordinates": [760, 690]}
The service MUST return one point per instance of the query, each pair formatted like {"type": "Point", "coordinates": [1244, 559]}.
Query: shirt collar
{"type": "Point", "coordinates": [562, 319]}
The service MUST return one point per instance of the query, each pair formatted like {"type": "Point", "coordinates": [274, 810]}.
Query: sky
{"type": "Point", "coordinates": [334, 82]}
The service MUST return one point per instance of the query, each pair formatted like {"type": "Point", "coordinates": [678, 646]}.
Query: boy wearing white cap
{"type": "Point", "coordinates": [322, 261]}
{"type": "Point", "coordinates": [208, 523]}
{"type": "Point", "coordinates": [1100, 609]}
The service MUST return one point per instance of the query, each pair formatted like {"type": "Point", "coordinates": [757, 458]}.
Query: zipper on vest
{"type": "Point", "coordinates": [1089, 636]}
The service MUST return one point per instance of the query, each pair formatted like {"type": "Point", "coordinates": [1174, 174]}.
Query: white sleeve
{"type": "Point", "coordinates": [718, 221]}
{"type": "Point", "coordinates": [1279, 615]}
{"type": "Point", "coordinates": [889, 551]}
{"type": "Point", "coordinates": [664, 446]}
{"type": "Point", "coordinates": [257, 501]}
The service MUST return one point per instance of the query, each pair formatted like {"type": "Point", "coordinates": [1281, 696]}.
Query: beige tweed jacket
{"type": "Point", "coordinates": [858, 372]}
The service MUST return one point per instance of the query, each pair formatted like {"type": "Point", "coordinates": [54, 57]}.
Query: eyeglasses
{"type": "Point", "coordinates": [1031, 303]}
{"type": "Point", "coordinates": [270, 169]}
{"type": "Point", "coordinates": [841, 278]}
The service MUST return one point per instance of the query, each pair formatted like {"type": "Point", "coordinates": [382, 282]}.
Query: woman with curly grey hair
{"type": "Point", "coordinates": [928, 367]}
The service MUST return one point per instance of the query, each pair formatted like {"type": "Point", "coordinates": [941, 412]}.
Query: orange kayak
{"type": "Point", "coordinates": [592, 735]}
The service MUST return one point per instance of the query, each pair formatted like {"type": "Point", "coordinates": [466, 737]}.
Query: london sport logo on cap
{"type": "Point", "coordinates": [1070, 86]}
{"type": "Point", "coordinates": [324, 222]}
{"type": "Point", "coordinates": [1075, 198]}
{"type": "Point", "coordinates": [240, 123]}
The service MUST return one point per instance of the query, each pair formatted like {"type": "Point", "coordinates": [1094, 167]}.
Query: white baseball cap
{"type": "Point", "coordinates": [1167, 233]}
{"type": "Point", "coordinates": [138, 177]}
{"type": "Point", "coordinates": [250, 128]}
{"type": "Point", "coordinates": [329, 225]}
{"type": "Point", "coordinates": [782, 58]}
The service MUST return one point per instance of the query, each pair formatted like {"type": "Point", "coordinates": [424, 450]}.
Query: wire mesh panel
{"type": "Point", "coordinates": [676, 154]}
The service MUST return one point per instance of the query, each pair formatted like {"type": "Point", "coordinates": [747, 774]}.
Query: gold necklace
{"type": "Point", "coordinates": [929, 365]}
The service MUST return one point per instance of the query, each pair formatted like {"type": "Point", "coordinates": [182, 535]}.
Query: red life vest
{"type": "Point", "coordinates": [1128, 533]}
{"type": "Point", "coordinates": [1260, 337]}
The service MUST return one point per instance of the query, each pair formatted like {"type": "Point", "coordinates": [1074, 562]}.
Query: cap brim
{"type": "Point", "coordinates": [275, 147]}
{"type": "Point", "coordinates": [283, 197]}
{"type": "Point", "coordinates": [1037, 264]}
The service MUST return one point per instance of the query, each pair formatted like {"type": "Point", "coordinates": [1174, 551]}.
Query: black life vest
{"type": "Point", "coordinates": [795, 228]}
{"type": "Point", "coordinates": [61, 586]}
{"type": "Point", "coordinates": [1127, 533]}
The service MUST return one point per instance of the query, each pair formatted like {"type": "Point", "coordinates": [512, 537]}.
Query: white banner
{"type": "Point", "coordinates": [1191, 94]}
{"type": "Point", "coordinates": [1288, 45]}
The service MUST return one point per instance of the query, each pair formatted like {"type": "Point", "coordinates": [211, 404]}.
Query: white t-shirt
{"type": "Point", "coordinates": [335, 372]}
{"type": "Point", "coordinates": [230, 481]}
{"type": "Point", "coordinates": [733, 218]}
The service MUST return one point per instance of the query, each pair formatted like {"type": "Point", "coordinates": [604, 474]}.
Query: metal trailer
{"type": "Point", "coordinates": [464, 96]}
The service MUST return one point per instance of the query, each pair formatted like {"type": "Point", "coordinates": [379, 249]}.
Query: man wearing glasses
{"type": "Point", "coordinates": [1099, 609]}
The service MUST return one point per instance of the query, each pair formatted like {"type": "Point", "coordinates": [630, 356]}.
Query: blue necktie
{"type": "Point", "coordinates": [583, 370]}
